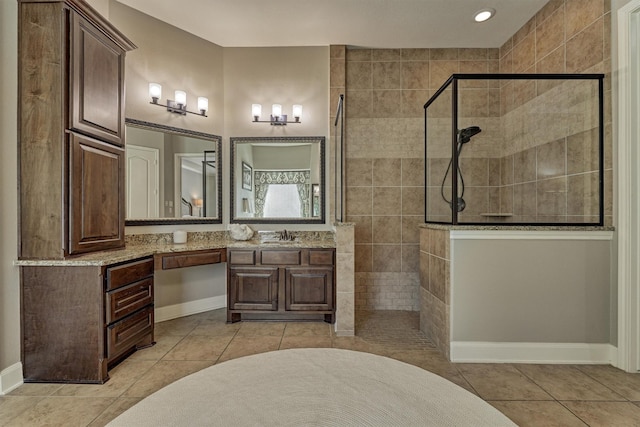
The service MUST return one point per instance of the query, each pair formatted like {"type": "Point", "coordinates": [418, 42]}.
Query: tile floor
{"type": "Point", "coordinates": [531, 395]}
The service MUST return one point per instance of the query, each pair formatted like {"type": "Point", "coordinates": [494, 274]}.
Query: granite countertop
{"type": "Point", "coordinates": [142, 245]}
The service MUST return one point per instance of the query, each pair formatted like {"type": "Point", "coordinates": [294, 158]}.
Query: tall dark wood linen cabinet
{"type": "Point", "coordinates": [71, 201]}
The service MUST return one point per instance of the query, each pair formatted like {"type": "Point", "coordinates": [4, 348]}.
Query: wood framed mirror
{"type": "Point", "coordinates": [173, 175]}
{"type": "Point", "coordinates": [273, 180]}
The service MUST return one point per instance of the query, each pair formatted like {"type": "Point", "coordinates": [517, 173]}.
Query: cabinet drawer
{"type": "Point", "coordinates": [279, 257]}
{"type": "Point", "coordinates": [128, 299]}
{"type": "Point", "coordinates": [320, 257]}
{"type": "Point", "coordinates": [192, 259]}
{"type": "Point", "coordinates": [129, 273]}
{"type": "Point", "coordinates": [242, 257]}
{"type": "Point", "coordinates": [125, 334]}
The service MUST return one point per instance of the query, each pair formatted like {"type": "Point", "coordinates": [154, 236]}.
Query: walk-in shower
{"type": "Point", "coordinates": [517, 149]}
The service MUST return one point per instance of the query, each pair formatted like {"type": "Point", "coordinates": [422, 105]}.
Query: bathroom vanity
{"type": "Point", "coordinates": [281, 283]}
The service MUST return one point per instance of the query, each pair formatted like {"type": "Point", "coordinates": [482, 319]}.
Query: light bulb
{"type": "Point", "coordinates": [203, 104]}
{"type": "Point", "coordinates": [297, 112]}
{"type": "Point", "coordinates": [256, 111]}
{"type": "Point", "coordinates": [276, 110]}
{"type": "Point", "coordinates": [155, 92]}
{"type": "Point", "coordinates": [181, 98]}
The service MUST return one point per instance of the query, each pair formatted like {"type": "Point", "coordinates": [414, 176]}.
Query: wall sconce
{"type": "Point", "coordinates": [277, 118]}
{"type": "Point", "coordinates": [245, 205]}
{"type": "Point", "coordinates": [179, 105]}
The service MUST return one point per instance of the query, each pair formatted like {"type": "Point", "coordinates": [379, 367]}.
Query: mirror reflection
{"type": "Point", "coordinates": [173, 176]}
{"type": "Point", "coordinates": [277, 180]}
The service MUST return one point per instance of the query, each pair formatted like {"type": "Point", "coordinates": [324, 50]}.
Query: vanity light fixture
{"type": "Point", "coordinates": [179, 105]}
{"type": "Point", "coordinates": [484, 15]}
{"type": "Point", "coordinates": [277, 118]}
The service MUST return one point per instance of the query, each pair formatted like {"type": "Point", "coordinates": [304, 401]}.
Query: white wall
{"type": "Point", "coordinates": [9, 276]}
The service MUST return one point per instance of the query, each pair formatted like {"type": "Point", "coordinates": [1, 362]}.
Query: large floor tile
{"type": "Point", "coordinates": [305, 342]}
{"type": "Point", "coordinates": [606, 414]}
{"type": "Point", "coordinates": [501, 382]}
{"type": "Point", "coordinates": [565, 382]}
{"type": "Point", "coordinates": [162, 374]}
{"type": "Point", "coordinates": [538, 413]}
{"type": "Point", "coordinates": [116, 408]}
{"type": "Point", "coordinates": [35, 389]}
{"type": "Point", "coordinates": [199, 347]}
{"type": "Point", "coordinates": [260, 329]}
{"type": "Point", "coordinates": [62, 411]}
{"type": "Point", "coordinates": [12, 406]}
{"type": "Point", "coordinates": [248, 345]}
{"type": "Point", "coordinates": [313, 329]}
{"type": "Point", "coordinates": [623, 383]}
{"type": "Point", "coordinates": [215, 328]}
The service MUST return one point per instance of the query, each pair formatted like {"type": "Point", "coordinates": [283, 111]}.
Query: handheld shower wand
{"type": "Point", "coordinates": [464, 136]}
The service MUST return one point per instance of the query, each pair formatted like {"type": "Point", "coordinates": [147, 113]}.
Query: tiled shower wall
{"type": "Point", "coordinates": [385, 93]}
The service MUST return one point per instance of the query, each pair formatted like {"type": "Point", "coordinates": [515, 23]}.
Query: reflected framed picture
{"type": "Point", "coordinates": [247, 173]}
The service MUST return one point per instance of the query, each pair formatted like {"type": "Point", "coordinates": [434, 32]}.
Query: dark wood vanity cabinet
{"type": "Point", "coordinates": [291, 283]}
{"type": "Point", "coordinates": [71, 129]}
{"type": "Point", "coordinates": [79, 320]}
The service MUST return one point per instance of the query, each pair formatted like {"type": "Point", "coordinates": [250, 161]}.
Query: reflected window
{"type": "Point", "coordinates": [282, 201]}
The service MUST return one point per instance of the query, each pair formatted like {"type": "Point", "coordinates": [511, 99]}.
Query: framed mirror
{"type": "Point", "coordinates": [172, 175]}
{"type": "Point", "coordinates": [278, 180]}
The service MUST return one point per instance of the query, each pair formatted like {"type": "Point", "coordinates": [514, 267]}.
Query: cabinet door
{"type": "Point", "coordinates": [309, 289]}
{"type": "Point", "coordinates": [253, 288]}
{"type": "Point", "coordinates": [96, 199]}
{"type": "Point", "coordinates": [96, 83]}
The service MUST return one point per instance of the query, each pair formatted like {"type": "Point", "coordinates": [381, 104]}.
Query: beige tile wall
{"type": "Point", "coordinates": [385, 90]}
{"type": "Point", "coordinates": [385, 93]}
{"type": "Point", "coordinates": [435, 287]}
{"type": "Point", "coordinates": [555, 178]}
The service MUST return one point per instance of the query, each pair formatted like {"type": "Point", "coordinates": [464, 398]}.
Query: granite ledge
{"type": "Point", "coordinates": [518, 227]}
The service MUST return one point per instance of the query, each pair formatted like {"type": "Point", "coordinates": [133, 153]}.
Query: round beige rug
{"type": "Point", "coordinates": [319, 387]}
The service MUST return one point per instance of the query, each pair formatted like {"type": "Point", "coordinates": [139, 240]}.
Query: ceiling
{"type": "Point", "coordinates": [362, 23]}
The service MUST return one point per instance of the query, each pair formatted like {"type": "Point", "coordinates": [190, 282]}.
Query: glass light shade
{"type": "Point", "coordinates": [256, 110]}
{"type": "Point", "coordinates": [297, 111]}
{"type": "Point", "coordinates": [276, 110]}
{"type": "Point", "coordinates": [155, 90]}
{"type": "Point", "coordinates": [181, 97]}
{"type": "Point", "coordinates": [203, 103]}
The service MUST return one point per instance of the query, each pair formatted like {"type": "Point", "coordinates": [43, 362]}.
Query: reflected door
{"type": "Point", "coordinates": [142, 182]}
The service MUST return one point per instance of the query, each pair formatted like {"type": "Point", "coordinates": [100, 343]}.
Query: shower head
{"type": "Point", "coordinates": [464, 135]}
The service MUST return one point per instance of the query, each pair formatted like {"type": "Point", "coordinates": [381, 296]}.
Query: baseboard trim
{"type": "Point", "coordinates": [516, 352]}
{"type": "Point", "coordinates": [11, 378]}
{"type": "Point", "coordinates": [188, 308]}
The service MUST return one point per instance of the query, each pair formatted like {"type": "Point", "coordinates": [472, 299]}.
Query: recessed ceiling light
{"type": "Point", "coordinates": [484, 14]}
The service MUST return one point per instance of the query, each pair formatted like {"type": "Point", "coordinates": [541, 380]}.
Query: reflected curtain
{"type": "Point", "coordinates": [263, 179]}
